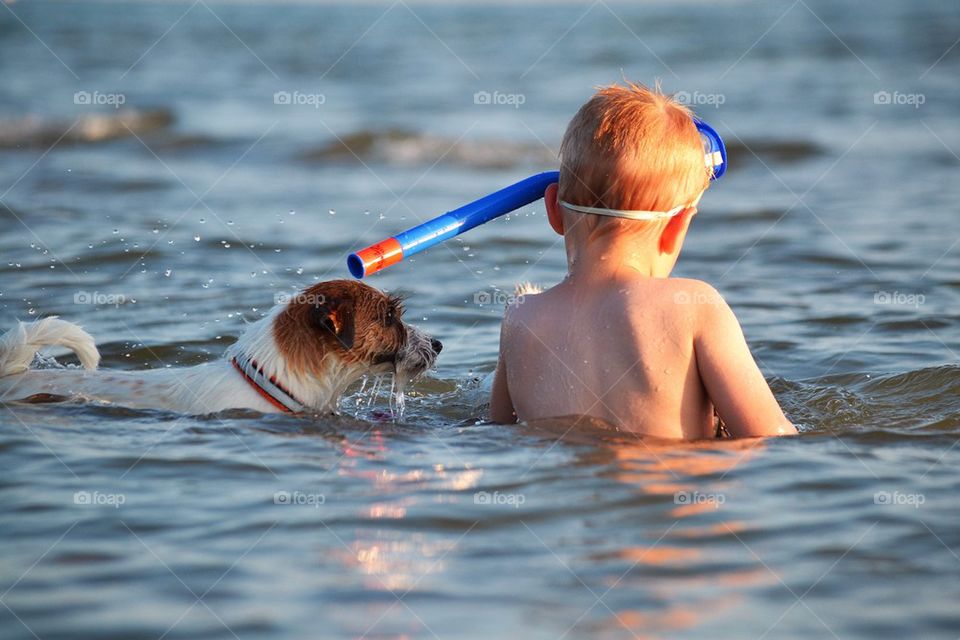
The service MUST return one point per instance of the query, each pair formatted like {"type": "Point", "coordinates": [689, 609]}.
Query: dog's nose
{"type": "Point", "coordinates": [436, 345]}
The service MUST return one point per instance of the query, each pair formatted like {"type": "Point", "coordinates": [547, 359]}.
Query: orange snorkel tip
{"type": "Point", "coordinates": [375, 257]}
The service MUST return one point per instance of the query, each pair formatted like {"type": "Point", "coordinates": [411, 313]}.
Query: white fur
{"type": "Point", "coordinates": [527, 289]}
{"type": "Point", "coordinates": [206, 388]}
{"type": "Point", "coordinates": [19, 345]}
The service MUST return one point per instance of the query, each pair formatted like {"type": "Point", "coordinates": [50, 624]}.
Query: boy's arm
{"type": "Point", "coordinates": [732, 379]}
{"type": "Point", "coordinates": [501, 405]}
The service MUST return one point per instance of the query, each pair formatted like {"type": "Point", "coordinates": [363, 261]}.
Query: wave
{"type": "Point", "coordinates": [918, 402]}
{"type": "Point", "coordinates": [401, 147]}
{"type": "Point", "coordinates": [776, 151]}
{"type": "Point", "coordinates": [91, 128]}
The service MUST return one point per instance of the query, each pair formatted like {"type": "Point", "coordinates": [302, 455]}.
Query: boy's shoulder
{"type": "Point", "coordinates": [693, 292]}
{"type": "Point", "coordinates": [684, 291]}
{"type": "Point", "coordinates": [680, 295]}
{"type": "Point", "coordinates": [688, 303]}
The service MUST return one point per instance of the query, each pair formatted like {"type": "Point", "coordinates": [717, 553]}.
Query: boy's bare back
{"type": "Point", "coordinates": [648, 355]}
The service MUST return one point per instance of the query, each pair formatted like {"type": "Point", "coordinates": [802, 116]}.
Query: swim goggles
{"type": "Point", "coordinates": [715, 158]}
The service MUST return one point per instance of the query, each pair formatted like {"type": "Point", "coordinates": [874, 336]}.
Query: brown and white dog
{"type": "Point", "coordinates": [299, 358]}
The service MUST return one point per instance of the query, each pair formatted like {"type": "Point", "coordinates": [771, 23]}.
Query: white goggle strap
{"type": "Point", "coordinates": [627, 213]}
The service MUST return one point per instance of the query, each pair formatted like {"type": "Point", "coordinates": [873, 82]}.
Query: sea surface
{"type": "Point", "coordinates": [168, 169]}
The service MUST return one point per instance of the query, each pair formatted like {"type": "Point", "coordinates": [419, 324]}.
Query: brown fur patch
{"type": "Point", "coordinates": [305, 344]}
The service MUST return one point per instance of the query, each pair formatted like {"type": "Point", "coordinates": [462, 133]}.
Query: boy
{"type": "Point", "coordinates": [618, 339]}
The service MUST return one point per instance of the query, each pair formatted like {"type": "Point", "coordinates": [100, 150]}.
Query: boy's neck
{"type": "Point", "coordinates": [617, 257]}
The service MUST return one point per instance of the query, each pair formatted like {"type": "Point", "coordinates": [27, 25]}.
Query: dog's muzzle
{"type": "Point", "coordinates": [419, 352]}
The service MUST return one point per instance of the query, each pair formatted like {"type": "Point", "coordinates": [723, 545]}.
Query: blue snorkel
{"type": "Point", "coordinates": [382, 254]}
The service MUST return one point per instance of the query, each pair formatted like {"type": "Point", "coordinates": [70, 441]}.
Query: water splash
{"type": "Point", "coordinates": [369, 393]}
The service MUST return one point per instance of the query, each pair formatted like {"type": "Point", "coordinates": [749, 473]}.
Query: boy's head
{"type": "Point", "coordinates": [636, 150]}
{"type": "Point", "coordinates": [632, 148]}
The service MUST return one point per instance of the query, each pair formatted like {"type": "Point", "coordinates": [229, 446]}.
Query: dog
{"type": "Point", "coordinates": [299, 358]}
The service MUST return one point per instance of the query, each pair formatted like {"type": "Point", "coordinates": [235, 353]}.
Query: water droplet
{"type": "Point", "coordinates": [196, 238]}
{"type": "Point", "coordinates": [332, 212]}
{"type": "Point", "coordinates": [168, 272]}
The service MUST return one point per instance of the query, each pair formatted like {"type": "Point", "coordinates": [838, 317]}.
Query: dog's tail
{"type": "Point", "coordinates": [19, 345]}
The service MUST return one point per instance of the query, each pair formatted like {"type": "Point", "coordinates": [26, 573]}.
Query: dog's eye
{"type": "Point", "coordinates": [392, 316]}
{"type": "Point", "coordinates": [393, 311]}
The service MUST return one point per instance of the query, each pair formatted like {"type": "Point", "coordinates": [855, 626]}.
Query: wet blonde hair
{"type": "Point", "coordinates": [632, 148]}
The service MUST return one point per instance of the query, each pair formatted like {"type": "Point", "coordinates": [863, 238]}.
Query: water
{"type": "Point", "coordinates": [833, 236]}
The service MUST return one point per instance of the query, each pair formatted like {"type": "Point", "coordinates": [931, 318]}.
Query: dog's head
{"type": "Point", "coordinates": [355, 325]}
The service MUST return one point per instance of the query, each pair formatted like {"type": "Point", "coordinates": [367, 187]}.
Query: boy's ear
{"type": "Point", "coordinates": [672, 236]}
{"type": "Point", "coordinates": [552, 201]}
{"type": "Point", "coordinates": [336, 317]}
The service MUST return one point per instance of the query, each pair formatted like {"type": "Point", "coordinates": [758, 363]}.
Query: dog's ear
{"type": "Point", "coordinates": [336, 317]}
